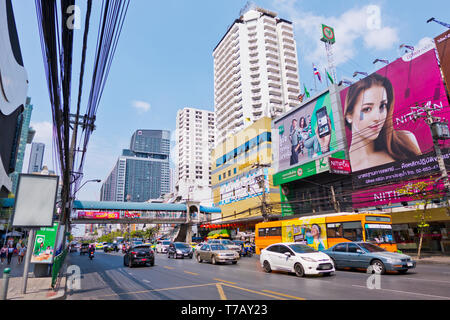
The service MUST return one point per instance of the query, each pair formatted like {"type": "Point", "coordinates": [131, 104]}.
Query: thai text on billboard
{"type": "Point", "coordinates": [380, 125]}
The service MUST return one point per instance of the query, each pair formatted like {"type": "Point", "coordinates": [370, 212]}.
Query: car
{"type": "Point", "coordinates": [84, 248]}
{"type": "Point", "coordinates": [364, 255]}
{"type": "Point", "coordinates": [73, 247]}
{"type": "Point", "coordinates": [216, 253]}
{"type": "Point", "coordinates": [100, 245]}
{"type": "Point", "coordinates": [297, 258]}
{"type": "Point", "coordinates": [180, 249]}
{"type": "Point", "coordinates": [162, 246]}
{"type": "Point", "coordinates": [230, 245]}
{"type": "Point", "coordinates": [110, 247]}
{"type": "Point", "coordinates": [139, 255]}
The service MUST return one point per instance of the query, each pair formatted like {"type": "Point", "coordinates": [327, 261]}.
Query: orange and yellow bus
{"type": "Point", "coordinates": [324, 231]}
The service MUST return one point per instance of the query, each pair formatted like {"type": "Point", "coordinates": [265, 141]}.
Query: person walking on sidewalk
{"type": "Point", "coordinates": [22, 252]}
{"type": "Point", "coordinates": [3, 253]}
{"type": "Point", "coordinates": [10, 253]}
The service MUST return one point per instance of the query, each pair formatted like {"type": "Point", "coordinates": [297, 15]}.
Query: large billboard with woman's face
{"type": "Point", "coordinates": [307, 133]}
{"type": "Point", "coordinates": [382, 134]}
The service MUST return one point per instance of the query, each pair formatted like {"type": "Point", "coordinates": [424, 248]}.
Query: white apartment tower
{"type": "Point", "coordinates": [255, 71]}
{"type": "Point", "coordinates": [194, 144]}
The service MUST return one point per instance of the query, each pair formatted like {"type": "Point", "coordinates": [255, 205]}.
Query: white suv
{"type": "Point", "coordinates": [162, 246]}
{"type": "Point", "coordinates": [295, 257]}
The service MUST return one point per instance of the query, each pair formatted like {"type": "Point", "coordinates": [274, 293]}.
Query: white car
{"type": "Point", "coordinates": [295, 257]}
{"type": "Point", "coordinates": [162, 246]}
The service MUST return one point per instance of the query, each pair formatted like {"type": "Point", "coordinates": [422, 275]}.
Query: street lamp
{"type": "Point", "coordinates": [439, 22]}
{"type": "Point", "coordinates": [361, 73]}
{"type": "Point", "coordinates": [381, 60]}
{"type": "Point", "coordinates": [346, 82]}
{"type": "Point", "coordinates": [406, 46]}
{"type": "Point", "coordinates": [93, 180]}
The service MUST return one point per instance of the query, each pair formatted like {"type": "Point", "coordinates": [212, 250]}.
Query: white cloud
{"type": "Point", "coordinates": [141, 106]}
{"type": "Point", "coordinates": [363, 24]}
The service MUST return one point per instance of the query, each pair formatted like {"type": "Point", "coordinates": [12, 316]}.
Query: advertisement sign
{"type": "Point", "coordinates": [390, 194]}
{"type": "Point", "coordinates": [312, 232]}
{"type": "Point", "coordinates": [244, 187]}
{"type": "Point", "coordinates": [306, 133]}
{"type": "Point", "coordinates": [328, 34]}
{"type": "Point", "coordinates": [380, 125]}
{"type": "Point", "coordinates": [44, 245]}
{"type": "Point", "coordinates": [339, 166]}
{"type": "Point", "coordinates": [443, 48]}
{"type": "Point", "coordinates": [98, 215]}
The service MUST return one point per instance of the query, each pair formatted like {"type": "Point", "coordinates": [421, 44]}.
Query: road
{"type": "Point", "coordinates": [106, 278]}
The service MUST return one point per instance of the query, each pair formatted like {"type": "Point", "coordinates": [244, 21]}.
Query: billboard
{"type": "Point", "coordinates": [306, 133]}
{"type": "Point", "coordinates": [383, 137]}
{"type": "Point", "coordinates": [44, 245]}
{"type": "Point", "coordinates": [443, 48]}
{"type": "Point", "coordinates": [310, 231]}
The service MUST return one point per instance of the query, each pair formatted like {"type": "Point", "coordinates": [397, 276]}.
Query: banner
{"type": "Point", "coordinates": [339, 166]}
{"type": "Point", "coordinates": [44, 245]}
{"type": "Point", "coordinates": [382, 133]}
{"type": "Point", "coordinates": [98, 215]}
{"type": "Point", "coordinates": [443, 48]}
{"type": "Point", "coordinates": [307, 133]}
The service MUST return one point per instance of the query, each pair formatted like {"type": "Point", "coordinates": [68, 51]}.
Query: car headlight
{"type": "Point", "coordinates": [179, 252]}
{"type": "Point", "coordinates": [393, 261]}
{"type": "Point", "coordinates": [308, 259]}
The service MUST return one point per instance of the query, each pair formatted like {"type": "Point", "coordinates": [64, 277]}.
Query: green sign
{"type": "Point", "coordinates": [328, 34]}
{"type": "Point", "coordinates": [44, 245]}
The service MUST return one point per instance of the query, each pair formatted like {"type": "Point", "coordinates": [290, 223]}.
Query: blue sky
{"type": "Point", "coordinates": [164, 59]}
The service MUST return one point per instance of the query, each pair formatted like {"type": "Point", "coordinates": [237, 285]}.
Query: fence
{"type": "Point", "coordinates": [57, 265]}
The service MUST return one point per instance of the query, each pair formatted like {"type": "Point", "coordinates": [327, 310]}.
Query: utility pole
{"type": "Point", "coordinates": [439, 131]}
{"type": "Point", "coordinates": [261, 182]}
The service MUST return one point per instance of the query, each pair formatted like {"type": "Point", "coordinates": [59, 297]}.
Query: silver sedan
{"type": "Point", "coordinates": [216, 253]}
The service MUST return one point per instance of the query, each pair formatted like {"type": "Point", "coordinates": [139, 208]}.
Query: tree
{"type": "Point", "coordinates": [423, 192]}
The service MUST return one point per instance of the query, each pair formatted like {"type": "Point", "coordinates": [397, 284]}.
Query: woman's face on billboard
{"type": "Point", "coordinates": [369, 113]}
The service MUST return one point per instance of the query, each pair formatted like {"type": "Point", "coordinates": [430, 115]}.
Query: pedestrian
{"type": "Point", "coordinates": [18, 249]}
{"type": "Point", "coordinates": [10, 253]}
{"type": "Point", "coordinates": [22, 252]}
{"type": "Point", "coordinates": [3, 253]}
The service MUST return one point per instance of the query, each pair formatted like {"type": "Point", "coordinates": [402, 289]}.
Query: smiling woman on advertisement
{"type": "Point", "coordinates": [368, 113]}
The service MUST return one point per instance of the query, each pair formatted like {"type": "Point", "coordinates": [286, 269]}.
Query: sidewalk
{"type": "Point", "coordinates": [37, 288]}
{"type": "Point", "coordinates": [431, 258]}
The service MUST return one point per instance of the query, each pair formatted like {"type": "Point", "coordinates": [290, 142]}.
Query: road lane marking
{"type": "Point", "coordinates": [170, 268]}
{"type": "Point", "coordinates": [407, 292]}
{"type": "Point", "coordinates": [427, 280]}
{"type": "Point", "coordinates": [221, 292]}
{"type": "Point", "coordinates": [193, 273]}
{"type": "Point", "coordinates": [284, 295]}
{"type": "Point", "coordinates": [145, 280]}
{"type": "Point", "coordinates": [224, 281]}
{"type": "Point", "coordinates": [253, 291]}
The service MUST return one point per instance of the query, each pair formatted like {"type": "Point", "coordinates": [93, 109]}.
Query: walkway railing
{"type": "Point", "coordinates": [57, 265]}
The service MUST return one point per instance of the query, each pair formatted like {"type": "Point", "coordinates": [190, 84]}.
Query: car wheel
{"type": "Point", "coordinates": [378, 267]}
{"type": "Point", "coordinates": [130, 263]}
{"type": "Point", "coordinates": [152, 263]}
{"type": "Point", "coordinates": [299, 271]}
{"type": "Point", "coordinates": [213, 260]}
{"type": "Point", "coordinates": [233, 262]}
{"type": "Point", "coordinates": [124, 262]}
{"type": "Point", "coordinates": [199, 259]}
{"type": "Point", "coordinates": [334, 263]}
{"type": "Point", "coordinates": [326, 274]}
{"type": "Point", "coordinates": [266, 267]}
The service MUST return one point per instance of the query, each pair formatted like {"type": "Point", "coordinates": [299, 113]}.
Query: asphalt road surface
{"type": "Point", "coordinates": [106, 278]}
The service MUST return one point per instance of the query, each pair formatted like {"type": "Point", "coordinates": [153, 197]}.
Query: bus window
{"type": "Point", "coordinates": [379, 233]}
{"type": "Point", "coordinates": [274, 232]}
{"type": "Point", "coordinates": [352, 231]}
{"type": "Point", "coordinates": [334, 230]}
{"type": "Point", "coordinates": [263, 232]}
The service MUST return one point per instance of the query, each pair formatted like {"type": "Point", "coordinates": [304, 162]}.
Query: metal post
{"type": "Point", "coordinates": [30, 248]}
{"type": "Point", "coordinates": [4, 293]}
{"type": "Point", "coordinates": [335, 203]}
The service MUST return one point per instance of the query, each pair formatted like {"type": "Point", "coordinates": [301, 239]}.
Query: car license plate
{"type": "Point", "coordinates": [409, 264]}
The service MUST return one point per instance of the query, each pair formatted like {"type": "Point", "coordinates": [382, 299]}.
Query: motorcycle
{"type": "Point", "coordinates": [91, 255]}
{"type": "Point", "coordinates": [246, 251]}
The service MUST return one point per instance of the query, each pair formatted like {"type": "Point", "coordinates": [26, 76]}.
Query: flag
{"type": "Point", "coordinates": [329, 77]}
{"type": "Point", "coordinates": [306, 91]}
{"type": "Point", "coordinates": [317, 73]}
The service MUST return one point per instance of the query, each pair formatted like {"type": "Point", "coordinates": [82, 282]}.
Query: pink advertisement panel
{"type": "Point", "coordinates": [390, 194]}
{"type": "Point", "coordinates": [380, 127]}
{"type": "Point", "coordinates": [98, 215]}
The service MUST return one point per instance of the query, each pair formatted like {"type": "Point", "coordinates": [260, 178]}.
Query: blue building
{"type": "Point", "coordinates": [142, 172]}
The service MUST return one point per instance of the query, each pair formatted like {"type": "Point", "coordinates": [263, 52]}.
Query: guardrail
{"type": "Point", "coordinates": [56, 268]}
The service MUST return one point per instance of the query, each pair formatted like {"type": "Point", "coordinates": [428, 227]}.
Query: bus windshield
{"type": "Point", "coordinates": [379, 233]}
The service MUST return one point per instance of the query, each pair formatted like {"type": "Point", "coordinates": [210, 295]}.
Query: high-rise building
{"type": "Point", "coordinates": [255, 71]}
{"type": "Point", "coordinates": [26, 137]}
{"type": "Point", "coordinates": [194, 144]}
{"type": "Point", "coordinates": [36, 157]}
{"type": "Point", "coordinates": [141, 172]}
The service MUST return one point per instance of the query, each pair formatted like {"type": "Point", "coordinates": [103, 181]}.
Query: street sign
{"type": "Point", "coordinates": [328, 34]}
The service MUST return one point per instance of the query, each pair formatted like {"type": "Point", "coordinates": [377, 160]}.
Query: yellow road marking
{"type": "Point", "coordinates": [221, 293]}
{"type": "Point", "coordinates": [170, 268]}
{"type": "Point", "coordinates": [284, 295]}
{"type": "Point", "coordinates": [193, 273]}
{"type": "Point", "coordinates": [224, 281]}
{"type": "Point", "coordinates": [253, 291]}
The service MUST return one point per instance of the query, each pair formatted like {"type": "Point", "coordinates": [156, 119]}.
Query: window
{"type": "Point", "coordinates": [263, 232]}
{"type": "Point", "coordinates": [275, 248]}
{"type": "Point", "coordinates": [334, 230]}
{"type": "Point", "coordinates": [284, 249]}
{"type": "Point", "coordinates": [235, 171]}
{"type": "Point", "coordinates": [229, 173]}
{"type": "Point", "coordinates": [274, 232]}
{"type": "Point", "coordinates": [352, 248]}
{"type": "Point", "coordinates": [353, 231]}
{"type": "Point", "coordinates": [220, 177]}
{"type": "Point", "coordinates": [205, 247]}
{"type": "Point", "coordinates": [342, 247]}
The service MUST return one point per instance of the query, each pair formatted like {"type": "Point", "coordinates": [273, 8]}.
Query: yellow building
{"type": "Point", "coordinates": [235, 172]}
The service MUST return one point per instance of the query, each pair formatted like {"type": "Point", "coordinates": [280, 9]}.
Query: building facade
{"type": "Point", "coordinates": [194, 144]}
{"type": "Point", "coordinates": [255, 71]}
{"type": "Point", "coordinates": [141, 172]}
{"type": "Point", "coordinates": [36, 157]}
